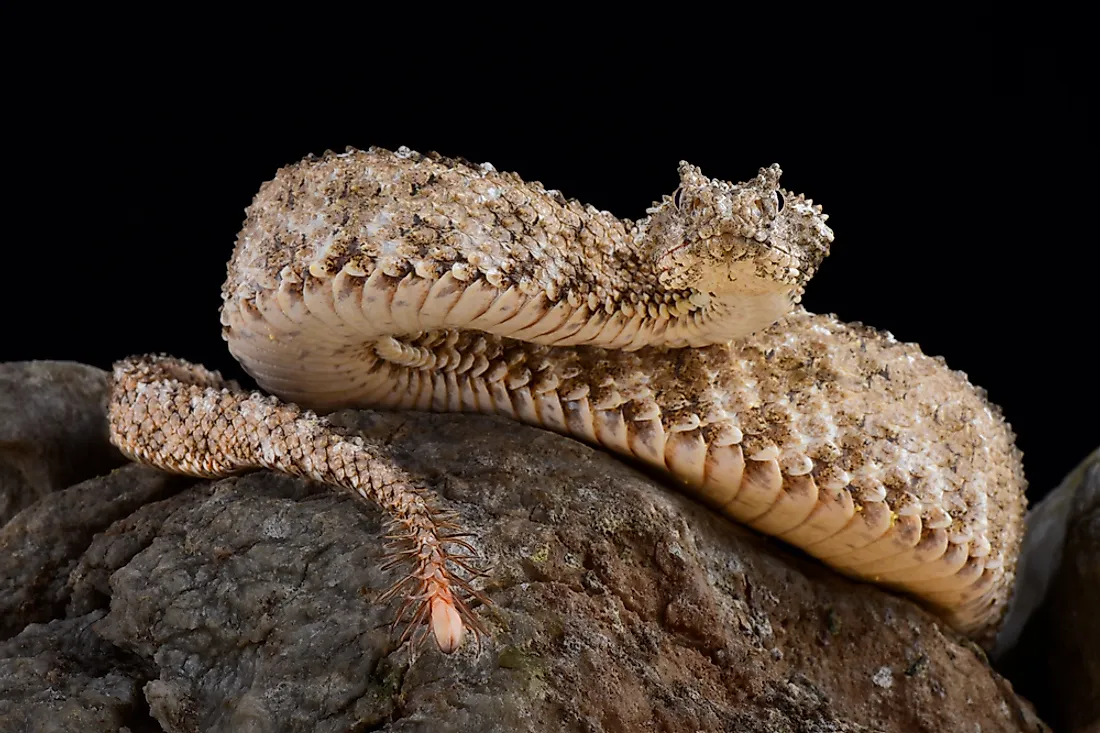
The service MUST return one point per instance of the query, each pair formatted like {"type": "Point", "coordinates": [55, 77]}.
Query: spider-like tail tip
{"type": "Point", "coordinates": [446, 623]}
{"type": "Point", "coordinates": [436, 598]}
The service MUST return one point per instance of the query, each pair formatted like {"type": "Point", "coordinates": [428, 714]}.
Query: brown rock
{"type": "Point", "coordinates": [250, 604]}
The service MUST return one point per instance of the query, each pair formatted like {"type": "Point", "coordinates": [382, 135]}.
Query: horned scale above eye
{"type": "Point", "coordinates": [390, 279]}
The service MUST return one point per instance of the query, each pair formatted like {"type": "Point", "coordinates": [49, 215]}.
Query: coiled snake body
{"type": "Point", "coordinates": [390, 279]}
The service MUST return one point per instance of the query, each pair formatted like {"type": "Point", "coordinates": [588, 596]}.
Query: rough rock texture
{"type": "Point", "coordinates": [51, 551]}
{"type": "Point", "coordinates": [1057, 655]}
{"type": "Point", "coordinates": [62, 676]}
{"type": "Point", "coordinates": [52, 432]}
{"type": "Point", "coordinates": [247, 604]}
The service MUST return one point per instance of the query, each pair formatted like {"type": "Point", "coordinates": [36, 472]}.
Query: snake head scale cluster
{"type": "Point", "coordinates": [753, 238]}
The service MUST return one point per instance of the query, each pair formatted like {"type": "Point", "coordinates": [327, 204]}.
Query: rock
{"type": "Point", "coordinates": [52, 431]}
{"type": "Point", "coordinates": [251, 604]}
{"type": "Point", "coordinates": [1051, 641]}
{"type": "Point", "coordinates": [43, 544]}
{"type": "Point", "coordinates": [62, 676]}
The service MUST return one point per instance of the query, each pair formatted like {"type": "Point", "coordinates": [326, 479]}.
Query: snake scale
{"type": "Point", "coordinates": [398, 280]}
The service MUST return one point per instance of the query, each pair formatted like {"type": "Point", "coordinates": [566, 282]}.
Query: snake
{"type": "Point", "coordinates": [405, 281]}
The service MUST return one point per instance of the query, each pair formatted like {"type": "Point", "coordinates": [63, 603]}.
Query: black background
{"type": "Point", "coordinates": [951, 157]}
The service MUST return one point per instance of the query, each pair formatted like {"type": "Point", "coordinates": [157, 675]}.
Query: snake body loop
{"type": "Point", "coordinates": [390, 279]}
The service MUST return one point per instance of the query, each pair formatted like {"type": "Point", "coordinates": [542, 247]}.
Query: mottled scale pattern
{"type": "Point", "coordinates": [186, 418]}
{"type": "Point", "coordinates": [379, 279]}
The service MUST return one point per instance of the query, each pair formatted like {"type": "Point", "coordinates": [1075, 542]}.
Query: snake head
{"type": "Point", "coordinates": [749, 238]}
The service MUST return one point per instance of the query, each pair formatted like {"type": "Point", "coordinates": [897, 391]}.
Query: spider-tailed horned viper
{"type": "Point", "coordinates": [398, 280]}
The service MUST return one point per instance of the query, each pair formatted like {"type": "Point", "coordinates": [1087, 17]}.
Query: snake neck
{"type": "Point", "coordinates": [724, 318]}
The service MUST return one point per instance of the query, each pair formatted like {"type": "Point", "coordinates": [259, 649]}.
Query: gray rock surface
{"type": "Point", "coordinates": [52, 432]}
{"type": "Point", "coordinates": [1055, 645]}
{"type": "Point", "coordinates": [250, 604]}
{"type": "Point", "coordinates": [62, 676]}
{"type": "Point", "coordinates": [43, 544]}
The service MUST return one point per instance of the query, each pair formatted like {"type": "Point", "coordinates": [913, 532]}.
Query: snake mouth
{"type": "Point", "coordinates": [671, 251]}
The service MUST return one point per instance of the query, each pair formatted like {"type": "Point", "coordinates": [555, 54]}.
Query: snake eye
{"type": "Point", "coordinates": [685, 202]}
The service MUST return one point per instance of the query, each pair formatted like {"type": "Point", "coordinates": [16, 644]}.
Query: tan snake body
{"type": "Point", "coordinates": [391, 279]}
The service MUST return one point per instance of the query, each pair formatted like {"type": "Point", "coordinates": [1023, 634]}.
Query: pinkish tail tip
{"type": "Point", "coordinates": [447, 625]}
